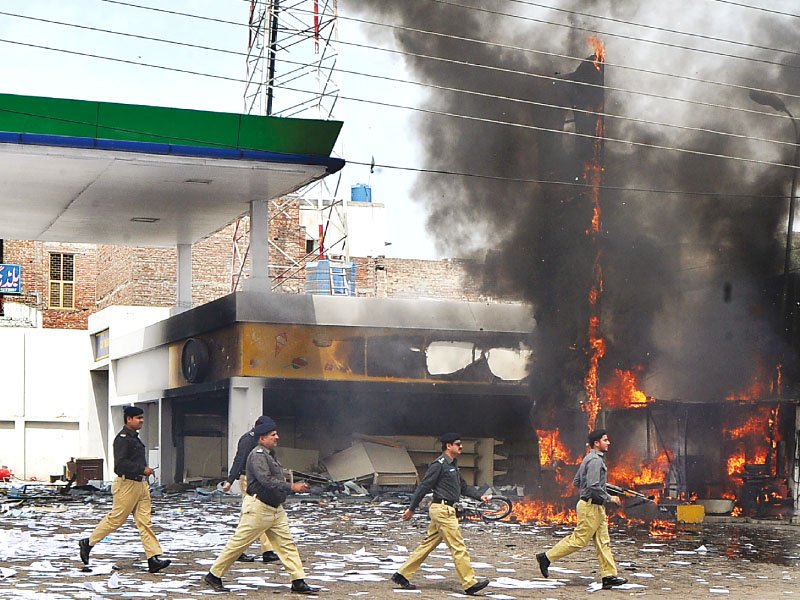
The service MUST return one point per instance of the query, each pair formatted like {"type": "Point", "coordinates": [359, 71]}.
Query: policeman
{"type": "Point", "coordinates": [447, 485]}
{"type": "Point", "coordinates": [592, 479]}
{"type": "Point", "coordinates": [262, 512]}
{"type": "Point", "coordinates": [246, 445]}
{"type": "Point", "coordinates": [131, 493]}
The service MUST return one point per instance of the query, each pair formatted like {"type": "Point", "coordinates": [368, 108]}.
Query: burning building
{"type": "Point", "coordinates": [647, 233]}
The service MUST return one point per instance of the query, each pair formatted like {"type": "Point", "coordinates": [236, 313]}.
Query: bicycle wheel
{"type": "Point", "coordinates": [497, 508]}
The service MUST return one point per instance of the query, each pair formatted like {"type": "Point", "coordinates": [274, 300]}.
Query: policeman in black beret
{"type": "Point", "coordinates": [447, 485]}
{"type": "Point", "coordinates": [246, 444]}
{"type": "Point", "coordinates": [262, 512]}
{"type": "Point", "coordinates": [131, 493]}
{"type": "Point", "coordinates": [591, 479]}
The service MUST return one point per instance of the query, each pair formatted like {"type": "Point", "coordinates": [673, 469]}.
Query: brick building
{"type": "Point", "coordinates": [68, 282]}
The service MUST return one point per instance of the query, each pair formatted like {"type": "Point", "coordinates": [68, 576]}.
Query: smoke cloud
{"type": "Point", "coordinates": [689, 292]}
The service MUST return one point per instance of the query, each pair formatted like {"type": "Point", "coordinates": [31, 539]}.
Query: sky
{"type": "Point", "coordinates": [51, 59]}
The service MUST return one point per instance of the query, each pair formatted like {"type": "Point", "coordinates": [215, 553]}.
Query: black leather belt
{"type": "Point", "coordinates": [133, 478]}
{"type": "Point", "coordinates": [593, 501]}
{"type": "Point", "coordinates": [443, 501]}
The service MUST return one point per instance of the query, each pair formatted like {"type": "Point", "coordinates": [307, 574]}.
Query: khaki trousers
{"type": "Point", "coordinates": [130, 497]}
{"type": "Point", "coordinates": [263, 539]}
{"type": "Point", "coordinates": [258, 518]}
{"type": "Point", "coordinates": [592, 526]}
{"type": "Point", "coordinates": [443, 527]}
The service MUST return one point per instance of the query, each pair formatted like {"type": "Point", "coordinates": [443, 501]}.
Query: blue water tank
{"type": "Point", "coordinates": [360, 192]}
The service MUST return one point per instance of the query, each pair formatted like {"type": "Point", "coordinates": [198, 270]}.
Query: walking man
{"type": "Point", "coordinates": [447, 485]}
{"type": "Point", "coordinates": [262, 512]}
{"type": "Point", "coordinates": [246, 444]}
{"type": "Point", "coordinates": [131, 493]}
{"type": "Point", "coordinates": [591, 479]}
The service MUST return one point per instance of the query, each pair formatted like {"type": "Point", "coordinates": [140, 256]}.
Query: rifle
{"type": "Point", "coordinates": [628, 493]}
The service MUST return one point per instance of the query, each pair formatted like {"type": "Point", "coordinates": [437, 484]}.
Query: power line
{"type": "Point", "coordinates": [617, 35]}
{"type": "Point", "coordinates": [534, 51]}
{"type": "Point", "coordinates": [654, 27]}
{"type": "Point", "coordinates": [553, 106]}
{"type": "Point", "coordinates": [125, 61]}
{"type": "Point", "coordinates": [505, 46]}
{"type": "Point", "coordinates": [299, 73]}
{"type": "Point", "coordinates": [427, 111]}
{"type": "Point", "coordinates": [424, 170]}
{"type": "Point", "coordinates": [283, 76]}
{"type": "Point", "coordinates": [761, 8]}
{"type": "Point", "coordinates": [558, 79]}
{"type": "Point", "coordinates": [124, 34]}
{"type": "Point", "coordinates": [657, 96]}
{"type": "Point", "coordinates": [573, 184]}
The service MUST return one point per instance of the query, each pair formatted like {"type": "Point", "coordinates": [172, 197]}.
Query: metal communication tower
{"type": "Point", "coordinates": [291, 64]}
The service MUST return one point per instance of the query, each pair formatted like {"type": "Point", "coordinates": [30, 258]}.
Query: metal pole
{"type": "Point", "coordinates": [273, 47]}
{"type": "Point", "coordinates": [787, 310]}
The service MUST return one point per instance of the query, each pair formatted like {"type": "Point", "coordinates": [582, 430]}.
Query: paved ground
{"type": "Point", "coordinates": [351, 547]}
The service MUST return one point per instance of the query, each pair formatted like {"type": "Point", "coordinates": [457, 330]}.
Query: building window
{"type": "Point", "coordinates": [62, 281]}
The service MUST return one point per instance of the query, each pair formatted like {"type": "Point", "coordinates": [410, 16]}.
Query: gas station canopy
{"type": "Point", "coordinates": [105, 173]}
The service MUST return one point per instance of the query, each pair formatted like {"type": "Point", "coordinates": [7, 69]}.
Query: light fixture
{"type": "Point", "coordinates": [145, 219]}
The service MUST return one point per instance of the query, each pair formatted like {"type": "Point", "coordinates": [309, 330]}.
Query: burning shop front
{"type": "Point", "coordinates": [737, 457]}
{"type": "Point", "coordinates": [331, 371]}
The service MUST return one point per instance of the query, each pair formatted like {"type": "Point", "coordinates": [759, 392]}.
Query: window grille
{"type": "Point", "coordinates": [62, 281]}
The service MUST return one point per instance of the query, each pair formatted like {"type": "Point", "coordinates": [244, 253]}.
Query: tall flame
{"type": "Point", "coordinates": [592, 175]}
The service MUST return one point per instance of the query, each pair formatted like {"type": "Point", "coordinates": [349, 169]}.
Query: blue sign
{"type": "Point", "coordinates": [10, 279]}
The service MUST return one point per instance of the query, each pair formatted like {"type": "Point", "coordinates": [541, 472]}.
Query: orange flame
{"type": "Point", "coordinates": [623, 390]}
{"type": "Point", "coordinates": [628, 471]}
{"type": "Point", "coordinates": [599, 51]}
{"type": "Point", "coordinates": [529, 510]}
{"type": "Point", "coordinates": [552, 449]}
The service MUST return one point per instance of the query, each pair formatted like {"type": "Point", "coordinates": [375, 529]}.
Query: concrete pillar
{"type": "Point", "coordinates": [166, 446]}
{"type": "Point", "coordinates": [184, 300]}
{"type": "Point", "coordinates": [116, 420]}
{"type": "Point", "coordinates": [259, 248]}
{"type": "Point", "coordinates": [97, 421]}
{"type": "Point", "coordinates": [245, 405]}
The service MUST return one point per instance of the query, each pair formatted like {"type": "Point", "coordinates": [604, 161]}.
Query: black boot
{"type": "Point", "coordinates": [474, 589]}
{"type": "Point", "coordinates": [155, 564]}
{"type": "Point", "coordinates": [403, 582]}
{"type": "Point", "coordinates": [613, 580]}
{"type": "Point", "coordinates": [214, 582]}
{"type": "Point", "coordinates": [269, 556]}
{"type": "Point", "coordinates": [85, 549]}
{"type": "Point", "coordinates": [544, 564]}
{"type": "Point", "coordinates": [300, 586]}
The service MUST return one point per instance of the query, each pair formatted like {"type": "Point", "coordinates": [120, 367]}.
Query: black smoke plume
{"type": "Point", "coordinates": [691, 243]}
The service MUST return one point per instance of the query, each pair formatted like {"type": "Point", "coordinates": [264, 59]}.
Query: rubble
{"type": "Point", "coordinates": [351, 545]}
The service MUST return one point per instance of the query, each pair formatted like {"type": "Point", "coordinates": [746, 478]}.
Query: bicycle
{"type": "Point", "coordinates": [496, 509]}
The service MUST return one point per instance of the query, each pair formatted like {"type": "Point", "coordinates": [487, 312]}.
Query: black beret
{"type": "Point", "coordinates": [596, 435]}
{"type": "Point", "coordinates": [449, 438]}
{"type": "Point", "coordinates": [132, 411]}
{"type": "Point", "coordinates": [265, 426]}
